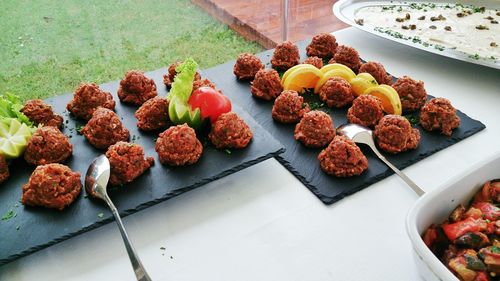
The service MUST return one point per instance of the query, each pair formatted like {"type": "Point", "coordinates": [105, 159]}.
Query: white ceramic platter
{"type": "Point", "coordinates": [346, 10]}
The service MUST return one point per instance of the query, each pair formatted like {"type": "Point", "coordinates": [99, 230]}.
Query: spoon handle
{"type": "Point", "coordinates": [140, 272]}
{"type": "Point", "coordinates": [403, 176]}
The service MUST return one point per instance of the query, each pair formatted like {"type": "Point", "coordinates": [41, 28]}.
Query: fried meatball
{"type": "Point", "coordinates": [105, 129]}
{"type": "Point", "coordinates": [316, 61]}
{"type": "Point", "coordinates": [336, 92]}
{"type": "Point", "coordinates": [289, 107]}
{"type": "Point", "coordinates": [378, 72]}
{"type": "Point", "coordinates": [342, 158]}
{"type": "Point", "coordinates": [285, 56]}
{"type": "Point", "coordinates": [322, 45]}
{"type": "Point", "coordinates": [267, 84]}
{"type": "Point", "coordinates": [366, 110]}
{"type": "Point", "coordinates": [394, 134]}
{"type": "Point", "coordinates": [347, 56]}
{"type": "Point", "coordinates": [47, 145]}
{"type": "Point", "coordinates": [4, 169]}
{"type": "Point", "coordinates": [41, 113]}
{"type": "Point", "coordinates": [178, 146]}
{"type": "Point", "coordinates": [203, 83]}
{"type": "Point", "coordinates": [411, 93]}
{"type": "Point", "coordinates": [439, 114]}
{"type": "Point", "coordinates": [136, 88]}
{"type": "Point", "coordinates": [246, 66]}
{"type": "Point", "coordinates": [87, 98]}
{"type": "Point", "coordinates": [52, 186]}
{"type": "Point", "coordinates": [153, 115]}
{"type": "Point", "coordinates": [315, 129]}
{"type": "Point", "coordinates": [168, 78]}
{"type": "Point", "coordinates": [127, 162]}
{"type": "Point", "coordinates": [230, 131]}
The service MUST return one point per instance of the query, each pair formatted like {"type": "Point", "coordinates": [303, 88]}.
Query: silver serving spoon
{"type": "Point", "coordinates": [96, 182]}
{"type": "Point", "coordinates": [361, 134]}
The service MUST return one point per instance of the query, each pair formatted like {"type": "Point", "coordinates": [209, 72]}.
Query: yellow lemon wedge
{"type": "Point", "coordinates": [391, 103]}
{"type": "Point", "coordinates": [336, 72]}
{"type": "Point", "coordinates": [362, 82]}
{"type": "Point", "coordinates": [292, 69]}
{"type": "Point", "coordinates": [302, 78]}
{"type": "Point", "coordinates": [333, 66]}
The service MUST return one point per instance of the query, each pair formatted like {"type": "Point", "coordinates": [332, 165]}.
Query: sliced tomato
{"type": "Point", "coordinates": [211, 103]}
{"type": "Point", "coordinates": [455, 230]}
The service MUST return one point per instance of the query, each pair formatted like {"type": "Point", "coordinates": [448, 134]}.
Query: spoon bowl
{"type": "Point", "coordinates": [96, 182]}
{"type": "Point", "coordinates": [364, 135]}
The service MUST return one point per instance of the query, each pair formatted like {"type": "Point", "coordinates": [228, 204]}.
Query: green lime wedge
{"type": "Point", "coordinates": [14, 137]}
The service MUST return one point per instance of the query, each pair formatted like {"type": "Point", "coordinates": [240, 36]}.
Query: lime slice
{"type": "Point", "coordinates": [14, 137]}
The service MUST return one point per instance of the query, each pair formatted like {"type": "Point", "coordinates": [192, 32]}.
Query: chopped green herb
{"type": "Point", "coordinates": [495, 250]}
{"type": "Point", "coordinates": [100, 215]}
{"type": "Point", "coordinates": [79, 129]}
{"type": "Point", "coordinates": [412, 119]}
{"type": "Point", "coordinates": [227, 151]}
{"type": "Point", "coordinates": [18, 227]}
{"type": "Point", "coordinates": [9, 215]}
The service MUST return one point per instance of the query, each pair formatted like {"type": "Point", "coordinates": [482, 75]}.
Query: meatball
{"type": "Point", "coordinates": [266, 85]}
{"type": "Point", "coordinates": [4, 169]}
{"type": "Point", "coordinates": [87, 98]}
{"type": "Point", "coordinates": [136, 88]}
{"type": "Point", "coordinates": [168, 78]}
{"type": "Point", "coordinates": [52, 186]}
{"type": "Point", "coordinates": [105, 129]}
{"type": "Point", "coordinates": [316, 61]}
{"type": "Point", "coordinates": [322, 45]}
{"type": "Point", "coordinates": [315, 129]}
{"type": "Point", "coordinates": [342, 158]}
{"type": "Point", "coordinates": [230, 131]}
{"type": "Point", "coordinates": [394, 134]}
{"type": "Point", "coordinates": [378, 72]}
{"type": "Point", "coordinates": [41, 113]}
{"type": "Point", "coordinates": [285, 56]}
{"type": "Point", "coordinates": [47, 145]}
{"type": "Point", "coordinates": [203, 83]}
{"type": "Point", "coordinates": [178, 146]}
{"type": "Point", "coordinates": [336, 92]}
{"type": "Point", "coordinates": [289, 107]}
{"type": "Point", "coordinates": [411, 93]}
{"type": "Point", "coordinates": [127, 162]}
{"type": "Point", "coordinates": [366, 110]}
{"type": "Point", "coordinates": [347, 56]}
{"type": "Point", "coordinates": [246, 66]}
{"type": "Point", "coordinates": [439, 114]}
{"type": "Point", "coordinates": [153, 115]}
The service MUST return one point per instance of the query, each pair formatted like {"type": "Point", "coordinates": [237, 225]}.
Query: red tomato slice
{"type": "Point", "coordinates": [211, 103]}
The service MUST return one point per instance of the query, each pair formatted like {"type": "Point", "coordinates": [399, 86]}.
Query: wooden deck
{"type": "Point", "coordinates": [260, 20]}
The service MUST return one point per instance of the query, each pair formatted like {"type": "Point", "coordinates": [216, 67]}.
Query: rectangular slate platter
{"type": "Point", "coordinates": [33, 229]}
{"type": "Point", "coordinates": [302, 161]}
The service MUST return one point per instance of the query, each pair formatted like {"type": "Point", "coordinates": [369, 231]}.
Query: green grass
{"type": "Point", "coordinates": [49, 47]}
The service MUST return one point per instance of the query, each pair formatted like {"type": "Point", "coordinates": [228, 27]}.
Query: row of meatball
{"type": "Point", "coordinates": [336, 92]}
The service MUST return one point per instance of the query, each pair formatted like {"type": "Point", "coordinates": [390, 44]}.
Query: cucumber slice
{"type": "Point", "coordinates": [14, 137]}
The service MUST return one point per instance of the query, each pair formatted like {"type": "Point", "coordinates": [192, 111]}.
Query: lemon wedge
{"type": "Point", "coordinates": [335, 72]}
{"type": "Point", "coordinates": [333, 66]}
{"type": "Point", "coordinates": [362, 82]}
{"type": "Point", "coordinates": [301, 78]}
{"type": "Point", "coordinates": [391, 103]}
{"type": "Point", "coordinates": [14, 137]}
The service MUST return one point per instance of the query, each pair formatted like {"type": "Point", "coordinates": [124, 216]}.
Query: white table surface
{"type": "Point", "coordinates": [263, 224]}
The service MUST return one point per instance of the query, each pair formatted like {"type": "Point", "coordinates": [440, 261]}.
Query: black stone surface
{"type": "Point", "coordinates": [302, 161]}
{"type": "Point", "coordinates": [33, 229]}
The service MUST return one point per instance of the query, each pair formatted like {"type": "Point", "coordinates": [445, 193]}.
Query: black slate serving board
{"type": "Point", "coordinates": [302, 161]}
{"type": "Point", "coordinates": [33, 229]}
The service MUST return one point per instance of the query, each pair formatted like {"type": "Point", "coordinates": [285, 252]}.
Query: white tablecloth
{"type": "Point", "coordinates": [263, 224]}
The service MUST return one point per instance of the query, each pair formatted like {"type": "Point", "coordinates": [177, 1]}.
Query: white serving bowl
{"type": "Point", "coordinates": [435, 207]}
